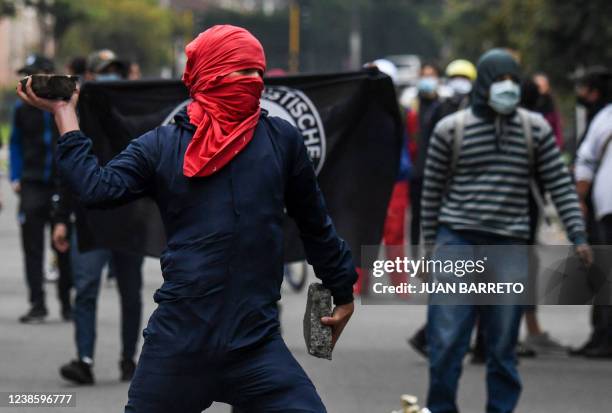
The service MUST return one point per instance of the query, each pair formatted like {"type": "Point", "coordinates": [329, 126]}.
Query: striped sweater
{"type": "Point", "coordinates": [489, 189]}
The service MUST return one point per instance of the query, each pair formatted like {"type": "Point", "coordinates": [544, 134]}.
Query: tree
{"type": "Point", "coordinates": [7, 8]}
{"type": "Point", "coordinates": [549, 35]}
{"type": "Point", "coordinates": [575, 32]}
{"type": "Point", "coordinates": [137, 30]}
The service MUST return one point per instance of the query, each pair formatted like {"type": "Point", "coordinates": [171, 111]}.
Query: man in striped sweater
{"type": "Point", "coordinates": [482, 198]}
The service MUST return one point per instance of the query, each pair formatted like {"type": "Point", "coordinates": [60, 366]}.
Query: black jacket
{"type": "Point", "coordinates": [32, 145]}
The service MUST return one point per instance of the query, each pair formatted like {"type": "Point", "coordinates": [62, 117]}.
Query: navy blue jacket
{"type": "Point", "coordinates": [223, 264]}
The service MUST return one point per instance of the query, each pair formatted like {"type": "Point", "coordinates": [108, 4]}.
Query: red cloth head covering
{"type": "Point", "coordinates": [224, 109]}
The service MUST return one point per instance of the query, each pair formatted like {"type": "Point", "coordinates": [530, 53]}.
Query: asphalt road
{"type": "Point", "coordinates": [372, 364]}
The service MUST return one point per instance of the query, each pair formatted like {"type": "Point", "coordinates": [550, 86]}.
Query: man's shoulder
{"type": "Point", "coordinates": [278, 125]}
{"type": "Point", "coordinates": [604, 117]}
{"type": "Point", "coordinates": [281, 131]}
{"type": "Point", "coordinates": [601, 126]}
{"type": "Point", "coordinates": [161, 138]}
{"type": "Point", "coordinates": [536, 119]}
{"type": "Point", "coordinates": [448, 123]}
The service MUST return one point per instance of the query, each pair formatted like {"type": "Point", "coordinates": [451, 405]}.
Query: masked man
{"type": "Point", "coordinates": [486, 203]}
{"type": "Point", "coordinates": [222, 177]}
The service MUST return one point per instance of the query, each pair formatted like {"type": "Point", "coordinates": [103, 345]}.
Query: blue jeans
{"type": "Point", "coordinates": [450, 327]}
{"type": "Point", "coordinates": [87, 273]}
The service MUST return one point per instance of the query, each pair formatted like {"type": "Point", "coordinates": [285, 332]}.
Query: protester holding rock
{"type": "Point", "coordinates": [221, 176]}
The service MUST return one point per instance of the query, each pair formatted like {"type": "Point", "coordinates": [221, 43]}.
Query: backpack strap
{"type": "Point", "coordinates": [525, 119]}
{"type": "Point", "coordinates": [459, 131]}
{"type": "Point", "coordinates": [528, 134]}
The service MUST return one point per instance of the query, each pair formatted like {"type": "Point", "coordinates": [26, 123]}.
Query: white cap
{"type": "Point", "coordinates": [387, 67]}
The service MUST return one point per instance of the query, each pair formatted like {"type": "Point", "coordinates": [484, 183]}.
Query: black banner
{"type": "Point", "coordinates": [351, 126]}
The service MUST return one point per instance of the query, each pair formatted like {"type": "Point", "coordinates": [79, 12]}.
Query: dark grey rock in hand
{"type": "Point", "coordinates": [52, 86]}
{"type": "Point", "coordinates": [318, 336]}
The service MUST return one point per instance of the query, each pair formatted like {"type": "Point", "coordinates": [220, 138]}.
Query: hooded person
{"type": "Point", "coordinates": [222, 177]}
{"type": "Point", "coordinates": [479, 195]}
{"type": "Point", "coordinates": [496, 90]}
{"type": "Point", "coordinates": [461, 74]}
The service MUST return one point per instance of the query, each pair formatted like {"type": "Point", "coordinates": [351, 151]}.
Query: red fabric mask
{"type": "Point", "coordinates": [225, 109]}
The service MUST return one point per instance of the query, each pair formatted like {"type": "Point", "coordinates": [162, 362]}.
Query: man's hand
{"type": "Point", "coordinates": [585, 253]}
{"type": "Point", "coordinates": [338, 320]}
{"type": "Point", "coordinates": [16, 185]}
{"type": "Point", "coordinates": [60, 237]}
{"type": "Point", "coordinates": [64, 111]}
{"type": "Point", "coordinates": [584, 209]}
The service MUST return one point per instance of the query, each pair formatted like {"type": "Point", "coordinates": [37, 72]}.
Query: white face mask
{"type": "Point", "coordinates": [504, 96]}
{"type": "Point", "coordinates": [460, 85]}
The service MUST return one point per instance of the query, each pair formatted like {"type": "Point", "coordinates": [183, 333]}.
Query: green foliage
{"type": "Point", "coordinates": [554, 36]}
{"type": "Point", "coordinates": [137, 30]}
{"type": "Point", "coordinates": [4, 134]}
{"type": "Point", "coordinates": [7, 8]}
{"type": "Point", "coordinates": [549, 35]}
{"type": "Point", "coordinates": [577, 32]}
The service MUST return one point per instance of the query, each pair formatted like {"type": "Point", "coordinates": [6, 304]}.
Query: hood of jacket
{"type": "Point", "coordinates": [491, 65]}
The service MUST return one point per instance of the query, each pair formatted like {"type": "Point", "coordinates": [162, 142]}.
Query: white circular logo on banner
{"type": "Point", "coordinates": [296, 108]}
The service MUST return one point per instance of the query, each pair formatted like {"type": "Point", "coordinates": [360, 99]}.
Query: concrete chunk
{"type": "Point", "coordinates": [318, 337]}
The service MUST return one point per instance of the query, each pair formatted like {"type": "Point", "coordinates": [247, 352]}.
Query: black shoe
{"type": "Point", "coordinates": [599, 352]}
{"type": "Point", "coordinates": [580, 351]}
{"type": "Point", "coordinates": [419, 343]}
{"type": "Point", "coordinates": [479, 354]}
{"type": "Point", "coordinates": [525, 351]}
{"type": "Point", "coordinates": [77, 371]}
{"type": "Point", "coordinates": [478, 357]}
{"type": "Point", "coordinates": [127, 368]}
{"type": "Point", "coordinates": [35, 315]}
{"type": "Point", "coordinates": [67, 314]}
